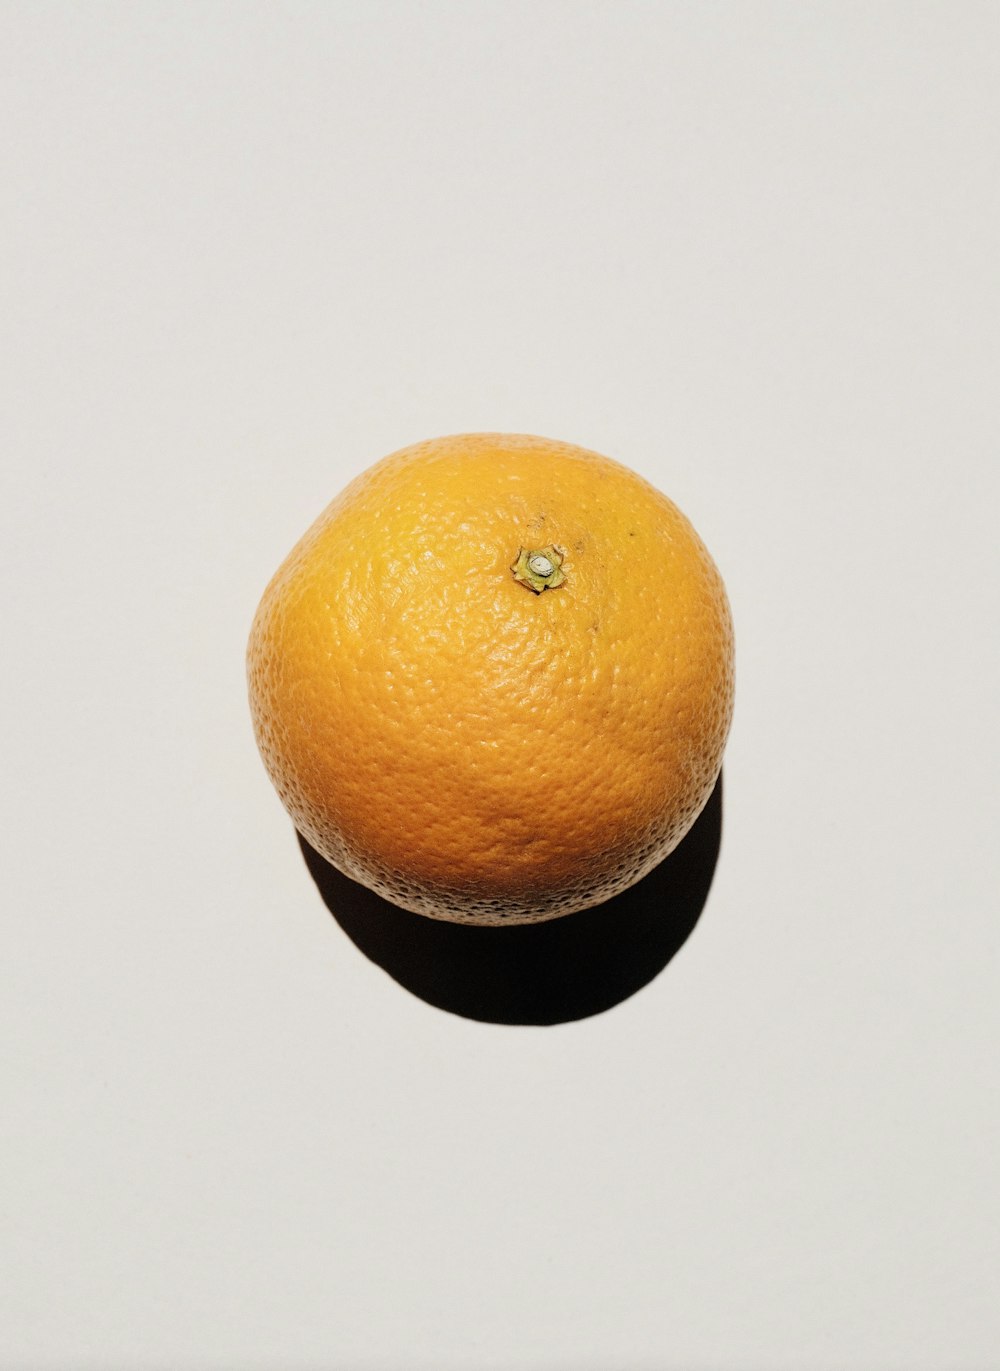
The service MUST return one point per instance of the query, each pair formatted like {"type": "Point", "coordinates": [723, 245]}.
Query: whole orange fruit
{"type": "Point", "coordinates": [494, 680]}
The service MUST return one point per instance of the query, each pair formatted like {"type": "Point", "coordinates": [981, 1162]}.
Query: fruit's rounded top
{"type": "Point", "coordinates": [494, 678]}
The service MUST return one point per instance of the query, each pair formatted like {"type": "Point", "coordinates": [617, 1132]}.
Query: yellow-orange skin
{"type": "Point", "coordinates": [468, 748]}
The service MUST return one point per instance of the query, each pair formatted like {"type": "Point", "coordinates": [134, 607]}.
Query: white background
{"type": "Point", "coordinates": [752, 251]}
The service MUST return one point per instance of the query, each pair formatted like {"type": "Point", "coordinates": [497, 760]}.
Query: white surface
{"type": "Point", "coordinates": [750, 250]}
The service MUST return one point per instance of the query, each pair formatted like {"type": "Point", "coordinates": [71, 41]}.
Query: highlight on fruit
{"type": "Point", "coordinates": [493, 680]}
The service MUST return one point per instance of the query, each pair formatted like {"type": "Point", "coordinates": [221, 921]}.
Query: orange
{"type": "Point", "coordinates": [494, 679]}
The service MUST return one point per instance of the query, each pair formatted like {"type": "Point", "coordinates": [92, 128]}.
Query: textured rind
{"type": "Point", "coordinates": [468, 749]}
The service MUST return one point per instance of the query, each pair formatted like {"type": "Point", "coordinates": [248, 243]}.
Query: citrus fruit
{"type": "Point", "coordinates": [494, 679]}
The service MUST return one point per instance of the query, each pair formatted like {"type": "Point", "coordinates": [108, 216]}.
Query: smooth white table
{"type": "Point", "coordinates": [750, 250]}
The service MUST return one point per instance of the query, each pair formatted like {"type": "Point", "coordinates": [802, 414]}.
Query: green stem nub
{"type": "Point", "coordinates": [539, 568]}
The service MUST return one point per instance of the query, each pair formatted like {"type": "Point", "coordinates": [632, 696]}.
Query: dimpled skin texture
{"type": "Point", "coordinates": [467, 748]}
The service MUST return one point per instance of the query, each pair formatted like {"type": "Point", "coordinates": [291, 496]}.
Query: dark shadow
{"type": "Point", "coordinates": [545, 973]}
